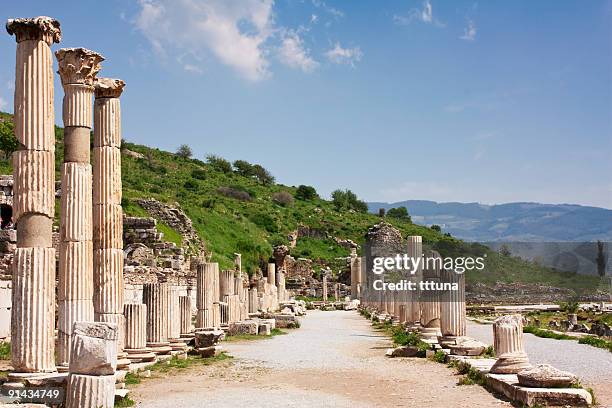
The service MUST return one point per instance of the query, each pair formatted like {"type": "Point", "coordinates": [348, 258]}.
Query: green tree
{"type": "Point", "coordinates": [8, 141]}
{"type": "Point", "coordinates": [436, 227]}
{"type": "Point", "coordinates": [244, 168]}
{"type": "Point", "coordinates": [347, 200]}
{"type": "Point", "coordinates": [400, 213]}
{"type": "Point", "coordinates": [306, 193]}
{"type": "Point", "coordinates": [219, 163]}
{"type": "Point", "coordinates": [601, 259]}
{"type": "Point", "coordinates": [262, 175]}
{"type": "Point", "coordinates": [184, 151]}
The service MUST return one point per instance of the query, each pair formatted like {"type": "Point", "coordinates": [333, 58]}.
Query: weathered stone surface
{"type": "Point", "coordinates": [403, 351]}
{"type": "Point", "coordinates": [136, 326]}
{"type": "Point", "coordinates": [208, 338]}
{"type": "Point", "coordinates": [34, 185]}
{"type": "Point", "coordinates": [246, 327]}
{"type": "Point", "coordinates": [546, 376]}
{"type": "Point", "coordinates": [78, 65]}
{"type": "Point", "coordinates": [508, 345]}
{"type": "Point", "coordinates": [185, 314]}
{"type": "Point", "coordinates": [88, 391]}
{"type": "Point", "coordinates": [108, 87]}
{"type": "Point", "coordinates": [468, 347]}
{"type": "Point", "coordinates": [40, 28]}
{"type": "Point", "coordinates": [156, 297]}
{"type": "Point", "coordinates": [264, 329]}
{"type": "Point", "coordinates": [94, 348]}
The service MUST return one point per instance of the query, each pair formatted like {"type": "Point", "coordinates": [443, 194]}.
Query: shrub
{"type": "Point", "coordinates": [199, 174]}
{"type": "Point", "coordinates": [436, 227]}
{"type": "Point", "coordinates": [184, 151]}
{"type": "Point", "coordinates": [347, 200]}
{"type": "Point", "coordinates": [306, 193]}
{"type": "Point", "coordinates": [264, 221]}
{"type": "Point", "coordinates": [232, 192]}
{"type": "Point", "coordinates": [400, 213]}
{"type": "Point", "coordinates": [282, 198]}
{"type": "Point", "coordinates": [191, 185]}
{"type": "Point", "coordinates": [219, 163]}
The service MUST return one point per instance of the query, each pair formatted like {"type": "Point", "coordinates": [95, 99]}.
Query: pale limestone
{"type": "Point", "coordinates": [94, 348]}
{"type": "Point", "coordinates": [89, 391]}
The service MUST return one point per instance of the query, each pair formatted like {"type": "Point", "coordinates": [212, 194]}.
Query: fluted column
{"type": "Point", "coordinates": [185, 315]}
{"type": "Point", "coordinates": [33, 299]}
{"type": "Point", "coordinates": [77, 68]}
{"type": "Point", "coordinates": [253, 301]}
{"type": "Point", "coordinates": [136, 333]}
{"type": "Point", "coordinates": [90, 391]}
{"type": "Point", "coordinates": [324, 284]}
{"type": "Point", "coordinates": [156, 297]}
{"type": "Point", "coordinates": [415, 250]}
{"type": "Point", "coordinates": [107, 212]}
{"type": "Point", "coordinates": [355, 263]}
{"type": "Point", "coordinates": [508, 345]}
{"type": "Point", "coordinates": [226, 284]}
{"type": "Point", "coordinates": [430, 299]}
{"type": "Point", "coordinates": [207, 294]}
{"type": "Point", "coordinates": [174, 320]}
{"type": "Point", "coordinates": [452, 307]}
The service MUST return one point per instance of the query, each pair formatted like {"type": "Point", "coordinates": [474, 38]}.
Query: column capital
{"type": "Point", "coordinates": [40, 28]}
{"type": "Point", "coordinates": [78, 65]}
{"type": "Point", "coordinates": [108, 87]}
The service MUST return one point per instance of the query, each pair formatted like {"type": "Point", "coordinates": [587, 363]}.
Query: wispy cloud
{"type": "Point", "coordinates": [424, 15]}
{"type": "Point", "coordinates": [469, 33]}
{"type": "Point", "coordinates": [340, 55]}
{"type": "Point", "coordinates": [216, 26]}
{"type": "Point", "coordinates": [293, 54]}
{"type": "Point", "coordinates": [3, 103]}
{"type": "Point", "coordinates": [331, 10]}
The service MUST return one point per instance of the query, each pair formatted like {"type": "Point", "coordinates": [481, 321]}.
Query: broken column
{"type": "Point", "coordinates": [452, 308]}
{"type": "Point", "coordinates": [107, 211]}
{"type": "Point", "coordinates": [174, 320]}
{"type": "Point", "coordinates": [156, 297]}
{"type": "Point", "coordinates": [93, 361]}
{"type": "Point", "coordinates": [238, 262]}
{"type": "Point", "coordinates": [430, 299]}
{"type": "Point", "coordinates": [207, 296]}
{"type": "Point", "coordinates": [508, 345]}
{"type": "Point", "coordinates": [185, 317]}
{"type": "Point", "coordinates": [136, 333]}
{"type": "Point", "coordinates": [355, 264]}
{"type": "Point", "coordinates": [33, 299]}
{"type": "Point", "coordinates": [77, 69]}
{"type": "Point", "coordinates": [253, 301]}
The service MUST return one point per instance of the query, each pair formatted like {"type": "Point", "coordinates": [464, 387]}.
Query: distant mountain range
{"type": "Point", "coordinates": [525, 222]}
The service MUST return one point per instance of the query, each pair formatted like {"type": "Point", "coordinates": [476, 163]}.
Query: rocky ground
{"type": "Point", "coordinates": [592, 365]}
{"type": "Point", "coordinates": [335, 359]}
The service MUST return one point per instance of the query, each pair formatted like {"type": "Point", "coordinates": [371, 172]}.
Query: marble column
{"type": "Point", "coordinates": [238, 262]}
{"type": "Point", "coordinates": [77, 69]}
{"type": "Point", "coordinates": [136, 333]}
{"type": "Point", "coordinates": [253, 301]}
{"type": "Point", "coordinates": [324, 287]}
{"type": "Point", "coordinates": [414, 250]}
{"type": "Point", "coordinates": [452, 308]}
{"type": "Point", "coordinates": [508, 345]}
{"type": "Point", "coordinates": [174, 320]}
{"type": "Point", "coordinates": [106, 209]}
{"type": "Point", "coordinates": [355, 264]}
{"type": "Point", "coordinates": [207, 294]}
{"type": "Point", "coordinates": [430, 299]}
{"type": "Point", "coordinates": [156, 297]}
{"type": "Point", "coordinates": [33, 299]}
{"type": "Point", "coordinates": [226, 284]}
{"type": "Point", "coordinates": [185, 316]}
{"type": "Point", "coordinates": [272, 273]}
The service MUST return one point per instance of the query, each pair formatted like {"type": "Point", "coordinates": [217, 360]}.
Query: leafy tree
{"type": "Point", "coordinates": [306, 193]}
{"type": "Point", "coordinates": [381, 212]}
{"type": "Point", "coordinates": [601, 259]}
{"type": "Point", "coordinates": [8, 141]}
{"type": "Point", "coordinates": [219, 163]}
{"type": "Point", "coordinates": [436, 227]}
{"type": "Point", "coordinates": [184, 151]}
{"type": "Point", "coordinates": [400, 213]}
{"type": "Point", "coordinates": [347, 200]}
{"type": "Point", "coordinates": [244, 168]}
{"type": "Point", "coordinates": [262, 175]}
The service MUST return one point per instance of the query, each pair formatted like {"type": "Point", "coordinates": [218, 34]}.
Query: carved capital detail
{"type": "Point", "coordinates": [41, 28]}
{"type": "Point", "coordinates": [108, 87]}
{"type": "Point", "coordinates": [78, 65]}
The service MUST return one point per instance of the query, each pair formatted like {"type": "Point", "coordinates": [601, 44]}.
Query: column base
{"type": "Point", "coordinates": [178, 345]}
{"type": "Point", "coordinates": [160, 348]}
{"type": "Point", "coordinates": [511, 364]}
{"type": "Point", "coordinates": [140, 355]}
{"type": "Point", "coordinates": [123, 363]}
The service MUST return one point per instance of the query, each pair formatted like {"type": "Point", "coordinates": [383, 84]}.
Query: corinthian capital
{"type": "Point", "coordinates": [38, 28]}
{"type": "Point", "coordinates": [78, 65]}
{"type": "Point", "coordinates": [108, 87]}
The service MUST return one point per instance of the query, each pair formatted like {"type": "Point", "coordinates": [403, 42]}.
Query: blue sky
{"type": "Point", "coordinates": [489, 101]}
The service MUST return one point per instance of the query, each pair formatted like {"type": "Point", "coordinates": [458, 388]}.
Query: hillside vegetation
{"type": "Point", "coordinates": [235, 211]}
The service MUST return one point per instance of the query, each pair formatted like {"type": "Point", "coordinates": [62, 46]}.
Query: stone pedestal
{"type": "Point", "coordinates": [452, 309]}
{"type": "Point", "coordinates": [33, 300]}
{"type": "Point", "coordinates": [156, 297]}
{"type": "Point", "coordinates": [508, 345]}
{"type": "Point", "coordinates": [77, 69]}
{"type": "Point", "coordinates": [136, 333]}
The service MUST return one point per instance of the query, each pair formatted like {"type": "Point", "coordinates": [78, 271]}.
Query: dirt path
{"type": "Point", "coordinates": [334, 360]}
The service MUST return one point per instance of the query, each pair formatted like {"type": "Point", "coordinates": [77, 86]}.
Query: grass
{"type": "Point", "coordinates": [124, 402]}
{"type": "Point", "coordinates": [472, 376]}
{"type": "Point", "coordinates": [5, 350]}
{"type": "Point", "coordinates": [249, 337]}
{"type": "Point", "coordinates": [596, 342]}
{"type": "Point", "coordinates": [439, 356]}
{"type": "Point", "coordinates": [589, 340]}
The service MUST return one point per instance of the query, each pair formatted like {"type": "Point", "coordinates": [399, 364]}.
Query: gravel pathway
{"type": "Point", "coordinates": [335, 359]}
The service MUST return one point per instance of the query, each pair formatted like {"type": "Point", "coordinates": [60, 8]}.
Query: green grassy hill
{"type": "Point", "coordinates": [234, 213]}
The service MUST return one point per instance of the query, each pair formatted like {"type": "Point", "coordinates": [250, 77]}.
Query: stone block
{"type": "Point", "coordinates": [245, 327]}
{"type": "Point", "coordinates": [208, 338]}
{"type": "Point", "coordinates": [94, 348]}
{"type": "Point", "coordinates": [546, 376]}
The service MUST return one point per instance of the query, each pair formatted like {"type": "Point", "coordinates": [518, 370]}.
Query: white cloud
{"type": "Point", "coordinates": [340, 55]}
{"type": "Point", "coordinates": [3, 103]}
{"type": "Point", "coordinates": [10, 85]}
{"type": "Point", "coordinates": [234, 31]}
{"type": "Point", "coordinates": [424, 15]}
{"type": "Point", "coordinates": [331, 10]}
{"type": "Point", "coordinates": [313, 19]}
{"type": "Point", "coordinates": [429, 190]}
{"type": "Point", "coordinates": [469, 33]}
{"type": "Point", "coordinates": [293, 54]}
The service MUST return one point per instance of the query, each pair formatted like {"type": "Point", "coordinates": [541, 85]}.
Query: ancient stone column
{"type": "Point", "coordinates": [238, 262]}
{"type": "Point", "coordinates": [226, 284]}
{"type": "Point", "coordinates": [272, 274]}
{"type": "Point", "coordinates": [415, 250]}
{"type": "Point", "coordinates": [93, 361]}
{"type": "Point", "coordinates": [253, 301]}
{"type": "Point", "coordinates": [430, 299]}
{"type": "Point", "coordinates": [174, 320]}
{"type": "Point", "coordinates": [185, 316]}
{"type": "Point", "coordinates": [77, 68]}
{"type": "Point", "coordinates": [355, 263]}
{"type": "Point", "coordinates": [107, 211]}
{"type": "Point", "coordinates": [324, 287]}
{"type": "Point", "coordinates": [156, 297]}
{"type": "Point", "coordinates": [452, 308]}
{"type": "Point", "coordinates": [508, 345]}
{"type": "Point", "coordinates": [136, 333]}
{"type": "Point", "coordinates": [207, 294]}
{"type": "Point", "coordinates": [33, 299]}
{"type": "Point", "coordinates": [282, 290]}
